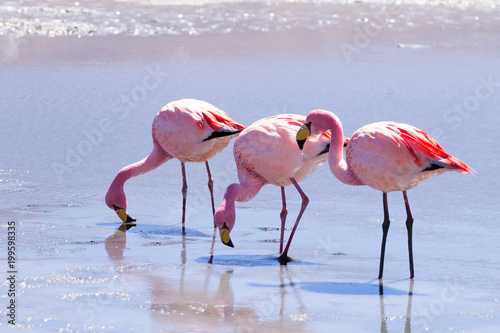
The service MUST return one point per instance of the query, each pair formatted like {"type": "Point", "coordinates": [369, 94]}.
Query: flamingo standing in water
{"type": "Point", "coordinates": [188, 130]}
{"type": "Point", "coordinates": [266, 153]}
{"type": "Point", "coordinates": [386, 156]}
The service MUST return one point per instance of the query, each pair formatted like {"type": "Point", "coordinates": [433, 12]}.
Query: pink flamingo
{"type": "Point", "coordinates": [386, 156]}
{"type": "Point", "coordinates": [266, 153]}
{"type": "Point", "coordinates": [188, 130]}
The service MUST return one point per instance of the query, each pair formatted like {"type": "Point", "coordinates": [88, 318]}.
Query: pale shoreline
{"type": "Point", "coordinates": [359, 26]}
{"type": "Point", "coordinates": [33, 50]}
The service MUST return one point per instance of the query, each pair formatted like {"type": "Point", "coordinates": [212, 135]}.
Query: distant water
{"type": "Point", "coordinates": [146, 18]}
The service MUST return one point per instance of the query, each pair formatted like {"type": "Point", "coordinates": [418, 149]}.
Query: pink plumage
{"type": "Point", "coordinates": [390, 156]}
{"type": "Point", "coordinates": [266, 153]}
{"type": "Point", "coordinates": [386, 156]}
{"type": "Point", "coordinates": [188, 130]}
{"type": "Point", "coordinates": [182, 128]}
{"type": "Point", "coordinates": [421, 143]}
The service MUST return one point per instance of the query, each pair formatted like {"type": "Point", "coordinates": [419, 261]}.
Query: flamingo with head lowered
{"type": "Point", "coordinates": [266, 153]}
{"type": "Point", "coordinates": [188, 130]}
{"type": "Point", "coordinates": [386, 156]}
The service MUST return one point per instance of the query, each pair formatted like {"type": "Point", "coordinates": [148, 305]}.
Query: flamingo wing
{"type": "Point", "coordinates": [220, 122]}
{"type": "Point", "coordinates": [425, 150]}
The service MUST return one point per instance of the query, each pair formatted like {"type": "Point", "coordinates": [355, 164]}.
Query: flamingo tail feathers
{"type": "Point", "coordinates": [451, 162]}
{"type": "Point", "coordinates": [220, 121]}
{"type": "Point", "coordinates": [419, 142]}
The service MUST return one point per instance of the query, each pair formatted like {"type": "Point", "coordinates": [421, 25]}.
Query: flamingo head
{"type": "Point", "coordinates": [123, 215]}
{"type": "Point", "coordinates": [224, 219]}
{"type": "Point", "coordinates": [317, 122]}
{"type": "Point", "coordinates": [225, 222]}
{"type": "Point", "coordinates": [116, 200]}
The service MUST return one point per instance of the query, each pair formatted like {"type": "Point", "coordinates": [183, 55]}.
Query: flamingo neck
{"type": "Point", "coordinates": [242, 192]}
{"type": "Point", "coordinates": [248, 189]}
{"type": "Point", "coordinates": [226, 213]}
{"type": "Point", "coordinates": [116, 195]}
{"type": "Point", "coordinates": [338, 165]}
{"type": "Point", "coordinates": [132, 170]}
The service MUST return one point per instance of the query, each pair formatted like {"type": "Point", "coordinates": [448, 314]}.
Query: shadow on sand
{"type": "Point", "coordinates": [349, 288]}
{"type": "Point", "coordinates": [248, 260]}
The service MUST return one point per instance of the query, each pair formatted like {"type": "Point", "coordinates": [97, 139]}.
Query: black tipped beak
{"type": "Point", "coordinates": [301, 143]}
{"type": "Point", "coordinates": [224, 236]}
{"type": "Point", "coordinates": [130, 219]}
{"type": "Point", "coordinates": [303, 134]}
{"type": "Point", "coordinates": [122, 214]}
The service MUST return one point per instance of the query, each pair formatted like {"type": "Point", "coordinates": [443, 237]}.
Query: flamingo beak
{"type": "Point", "coordinates": [302, 135]}
{"type": "Point", "coordinates": [122, 214]}
{"type": "Point", "coordinates": [224, 236]}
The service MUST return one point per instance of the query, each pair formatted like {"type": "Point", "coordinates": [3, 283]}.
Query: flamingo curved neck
{"type": "Point", "coordinates": [226, 213]}
{"type": "Point", "coordinates": [243, 192]}
{"type": "Point", "coordinates": [157, 157]}
{"type": "Point", "coordinates": [338, 165]}
{"type": "Point", "coordinates": [133, 170]}
{"type": "Point", "coordinates": [115, 194]}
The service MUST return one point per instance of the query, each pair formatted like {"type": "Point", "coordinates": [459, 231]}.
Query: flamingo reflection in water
{"type": "Point", "coordinates": [181, 303]}
{"type": "Point", "coordinates": [183, 300]}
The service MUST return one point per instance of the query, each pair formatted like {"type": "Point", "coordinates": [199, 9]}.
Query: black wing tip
{"type": "Point", "coordinates": [221, 134]}
{"type": "Point", "coordinates": [433, 167]}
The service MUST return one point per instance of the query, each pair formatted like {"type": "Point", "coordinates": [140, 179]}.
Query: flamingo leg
{"type": "Point", "coordinates": [385, 230]}
{"type": "Point", "coordinates": [283, 258]}
{"type": "Point", "coordinates": [409, 228]}
{"type": "Point", "coordinates": [211, 187]}
{"type": "Point", "coordinates": [283, 214]}
{"type": "Point", "coordinates": [211, 259]}
{"type": "Point", "coordinates": [184, 195]}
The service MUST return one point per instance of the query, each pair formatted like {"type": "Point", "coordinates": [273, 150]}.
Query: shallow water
{"type": "Point", "coordinates": [74, 111]}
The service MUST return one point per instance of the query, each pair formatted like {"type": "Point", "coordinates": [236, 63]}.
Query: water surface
{"type": "Point", "coordinates": [76, 110]}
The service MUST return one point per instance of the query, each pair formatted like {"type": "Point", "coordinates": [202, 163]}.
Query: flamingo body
{"type": "Point", "coordinates": [390, 156]}
{"type": "Point", "coordinates": [188, 130]}
{"type": "Point", "coordinates": [386, 156]}
{"type": "Point", "coordinates": [184, 128]}
{"type": "Point", "coordinates": [266, 153]}
{"type": "Point", "coordinates": [267, 149]}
